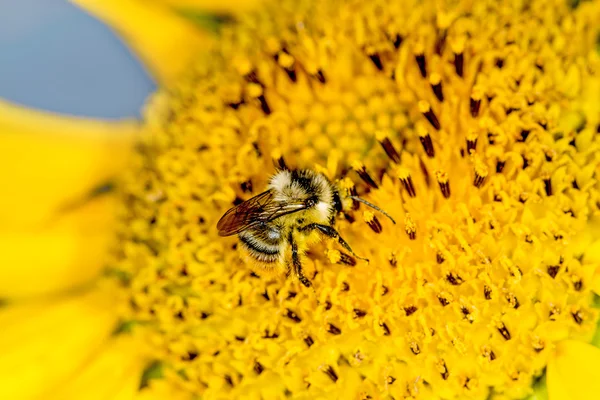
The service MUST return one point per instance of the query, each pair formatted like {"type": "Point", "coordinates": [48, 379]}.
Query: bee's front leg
{"type": "Point", "coordinates": [330, 231]}
{"type": "Point", "coordinates": [296, 262]}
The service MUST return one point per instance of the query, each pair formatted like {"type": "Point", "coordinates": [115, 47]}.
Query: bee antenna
{"type": "Point", "coordinates": [373, 206]}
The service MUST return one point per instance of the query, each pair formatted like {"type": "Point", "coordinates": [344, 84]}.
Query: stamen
{"type": "Point", "coordinates": [459, 64]}
{"type": "Point", "coordinates": [386, 330]}
{"type": "Point", "coordinates": [475, 102]}
{"type": "Point", "coordinates": [458, 47]}
{"type": "Point", "coordinates": [512, 300]}
{"type": "Point", "coordinates": [427, 112]}
{"type": "Point", "coordinates": [410, 227]}
{"type": "Point", "coordinates": [377, 61]}
{"type": "Point", "coordinates": [426, 141]}
{"type": "Point", "coordinates": [420, 57]}
{"type": "Point", "coordinates": [286, 61]}
{"type": "Point", "coordinates": [471, 142]}
{"type": "Point", "coordinates": [481, 172]}
{"type": "Point", "coordinates": [372, 221]}
{"type": "Point", "coordinates": [309, 341]}
{"type": "Point", "coordinates": [487, 292]}
{"type": "Point", "coordinates": [258, 368]}
{"type": "Point", "coordinates": [410, 310]}
{"type": "Point", "coordinates": [503, 330]}
{"type": "Point", "coordinates": [264, 105]}
{"type": "Point", "coordinates": [293, 316]}
{"type": "Point", "coordinates": [358, 313]}
{"type": "Point", "coordinates": [407, 182]}
{"type": "Point", "coordinates": [444, 183]}
{"type": "Point", "coordinates": [414, 347]}
{"type": "Point", "coordinates": [577, 316]}
{"type": "Point", "coordinates": [320, 76]}
{"type": "Point", "coordinates": [553, 270]}
{"type": "Point", "coordinates": [347, 259]}
{"type": "Point", "coordinates": [388, 146]}
{"type": "Point", "coordinates": [500, 166]}
{"type": "Point", "coordinates": [442, 369]}
{"type": "Point", "coordinates": [360, 168]}
{"type": "Point", "coordinates": [397, 41]}
{"type": "Point", "coordinates": [330, 373]}
{"type": "Point", "coordinates": [334, 330]}
{"type": "Point", "coordinates": [436, 85]}
{"type": "Point", "coordinates": [547, 184]}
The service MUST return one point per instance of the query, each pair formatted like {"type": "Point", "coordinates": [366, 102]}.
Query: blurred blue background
{"type": "Point", "coordinates": [55, 57]}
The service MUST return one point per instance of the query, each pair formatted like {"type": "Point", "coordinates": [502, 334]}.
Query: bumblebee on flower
{"type": "Point", "coordinates": [472, 124]}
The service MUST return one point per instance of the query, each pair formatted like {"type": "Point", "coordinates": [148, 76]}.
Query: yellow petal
{"type": "Point", "coordinates": [573, 372]}
{"type": "Point", "coordinates": [114, 374]}
{"type": "Point", "coordinates": [213, 6]}
{"type": "Point", "coordinates": [66, 252]}
{"type": "Point", "coordinates": [48, 161]}
{"type": "Point", "coordinates": [163, 40]}
{"type": "Point", "coordinates": [42, 346]}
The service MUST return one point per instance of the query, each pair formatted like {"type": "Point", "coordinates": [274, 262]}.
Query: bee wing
{"type": "Point", "coordinates": [258, 209]}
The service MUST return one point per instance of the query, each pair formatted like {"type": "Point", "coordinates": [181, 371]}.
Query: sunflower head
{"type": "Point", "coordinates": [472, 124]}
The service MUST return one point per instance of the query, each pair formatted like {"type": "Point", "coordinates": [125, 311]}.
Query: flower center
{"type": "Point", "coordinates": [467, 124]}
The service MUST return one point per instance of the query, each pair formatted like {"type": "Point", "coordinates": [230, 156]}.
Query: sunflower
{"type": "Point", "coordinates": [473, 124]}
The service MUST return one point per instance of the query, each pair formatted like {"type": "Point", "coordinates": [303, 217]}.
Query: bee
{"type": "Point", "coordinates": [272, 224]}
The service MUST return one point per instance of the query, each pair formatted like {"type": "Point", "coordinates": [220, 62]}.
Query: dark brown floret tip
{"type": "Point", "coordinates": [334, 330]}
{"type": "Point", "coordinates": [390, 150]}
{"type": "Point", "coordinates": [293, 316]}
{"type": "Point", "coordinates": [258, 368]}
{"type": "Point", "coordinates": [504, 331]}
{"type": "Point", "coordinates": [309, 341]}
{"type": "Point", "coordinates": [427, 143]}
{"type": "Point", "coordinates": [375, 225]}
{"type": "Point", "coordinates": [386, 330]}
{"type": "Point", "coordinates": [430, 116]}
{"type": "Point", "coordinates": [347, 259]}
{"type": "Point", "coordinates": [421, 62]}
{"type": "Point", "coordinates": [438, 90]}
{"type": "Point", "coordinates": [459, 64]}
{"type": "Point", "coordinates": [330, 372]}
{"type": "Point", "coordinates": [408, 185]}
{"type": "Point", "coordinates": [577, 317]}
{"type": "Point", "coordinates": [553, 270]}
{"type": "Point", "coordinates": [474, 106]}
{"type": "Point", "coordinates": [410, 310]}
{"type": "Point", "coordinates": [443, 301]}
{"type": "Point", "coordinates": [361, 170]}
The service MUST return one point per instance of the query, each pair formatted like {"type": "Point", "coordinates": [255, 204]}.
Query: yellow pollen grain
{"type": "Point", "coordinates": [441, 176]}
{"type": "Point", "coordinates": [334, 256]}
{"type": "Point", "coordinates": [254, 90]}
{"type": "Point", "coordinates": [434, 79]}
{"type": "Point", "coordinates": [424, 106]}
{"type": "Point", "coordinates": [346, 184]}
{"type": "Point", "coordinates": [409, 225]}
{"type": "Point", "coordinates": [368, 216]}
{"type": "Point", "coordinates": [285, 60]}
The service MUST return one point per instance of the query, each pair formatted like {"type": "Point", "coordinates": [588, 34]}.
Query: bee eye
{"type": "Point", "coordinates": [310, 202]}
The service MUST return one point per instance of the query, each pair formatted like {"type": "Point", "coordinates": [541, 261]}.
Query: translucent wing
{"type": "Point", "coordinates": [256, 210]}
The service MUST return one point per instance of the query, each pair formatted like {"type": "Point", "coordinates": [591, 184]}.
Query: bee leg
{"type": "Point", "coordinates": [297, 264]}
{"type": "Point", "coordinates": [330, 231]}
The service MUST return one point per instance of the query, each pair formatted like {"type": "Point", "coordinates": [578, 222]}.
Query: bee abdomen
{"type": "Point", "coordinates": [260, 250]}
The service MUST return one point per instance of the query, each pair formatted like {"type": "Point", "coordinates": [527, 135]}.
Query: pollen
{"type": "Point", "coordinates": [474, 125]}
